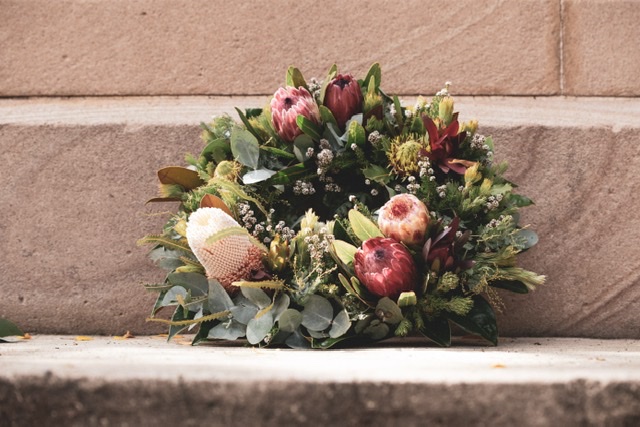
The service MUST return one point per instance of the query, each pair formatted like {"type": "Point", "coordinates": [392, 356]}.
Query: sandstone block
{"type": "Point", "coordinates": [168, 47]}
{"type": "Point", "coordinates": [601, 55]}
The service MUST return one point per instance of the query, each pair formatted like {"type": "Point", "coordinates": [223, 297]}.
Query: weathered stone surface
{"type": "Point", "coordinates": [600, 44]}
{"type": "Point", "coordinates": [146, 381]}
{"type": "Point", "coordinates": [163, 47]}
{"type": "Point", "coordinates": [73, 201]}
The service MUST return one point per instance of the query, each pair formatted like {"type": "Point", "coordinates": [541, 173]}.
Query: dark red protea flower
{"type": "Point", "coordinates": [385, 267]}
{"type": "Point", "coordinates": [439, 252]}
{"type": "Point", "coordinates": [444, 144]}
{"type": "Point", "coordinates": [404, 218]}
{"type": "Point", "coordinates": [287, 104]}
{"type": "Point", "coordinates": [344, 98]}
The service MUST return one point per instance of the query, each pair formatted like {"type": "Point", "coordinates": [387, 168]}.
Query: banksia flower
{"type": "Point", "coordinates": [344, 98]}
{"type": "Point", "coordinates": [385, 267]}
{"type": "Point", "coordinates": [234, 257]}
{"type": "Point", "coordinates": [287, 104]}
{"type": "Point", "coordinates": [404, 155]}
{"type": "Point", "coordinates": [404, 218]}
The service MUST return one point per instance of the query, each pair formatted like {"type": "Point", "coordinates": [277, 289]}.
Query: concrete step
{"type": "Point", "coordinates": [59, 380]}
{"type": "Point", "coordinates": [195, 47]}
{"type": "Point", "coordinates": [76, 173]}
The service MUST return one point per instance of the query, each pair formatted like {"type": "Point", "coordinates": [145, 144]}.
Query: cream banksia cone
{"type": "Point", "coordinates": [229, 259]}
{"type": "Point", "coordinates": [404, 218]}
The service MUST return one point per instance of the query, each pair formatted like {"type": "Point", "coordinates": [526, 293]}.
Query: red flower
{"type": "Point", "coordinates": [439, 252]}
{"type": "Point", "coordinates": [287, 104]}
{"type": "Point", "coordinates": [444, 145]}
{"type": "Point", "coordinates": [385, 267]}
{"type": "Point", "coordinates": [344, 98]}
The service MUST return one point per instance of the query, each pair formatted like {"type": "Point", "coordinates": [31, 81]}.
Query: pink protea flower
{"type": "Point", "coordinates": [404, 218]}
{"type": "Point", "coordinates": [344, 98]}
{"type": "Point", "coordinates": [227, 260]}
{"type": "Point", "coordinates": [287, 104]}
{"type": "Point", "coordinates": [385, 267]}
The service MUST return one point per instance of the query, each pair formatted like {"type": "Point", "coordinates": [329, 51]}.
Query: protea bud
{"type": "Point", "coordinates": [404, 218]}
{"type": "Point", "coordinates": [232, 258]}
{"type": "Point", "coordinates": [344, 98]}
{"type": "Point", "coordinates": [385, 267]}
{"type": "Point", "coordinates": [287, 104]}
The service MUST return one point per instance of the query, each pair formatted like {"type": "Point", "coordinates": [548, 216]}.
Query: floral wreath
{"type": "Point", "coordinates": [337, 215]}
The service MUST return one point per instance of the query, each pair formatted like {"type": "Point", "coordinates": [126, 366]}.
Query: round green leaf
{"type": "Point", "coordinates": [317, 314]}
{"type": "Point", "coordinates": [340, 325]}
{"type": "Point", "coordinates": [258, 328]}
{"type": "Point", "coordinates": [245, 147]}
{"type": "Point", "coordinates": [289, 320]}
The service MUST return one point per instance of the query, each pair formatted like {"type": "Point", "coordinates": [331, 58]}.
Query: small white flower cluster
{"type": "Point", "coordinates": [314, 86]}
{"type": "Point", "coordinates": [425, 168]}
{"type": "Point", "coordinates": [248, 215]}
{"type": "Point", "coordinates": [477, 142]}
{"type": "Point", "coordinates": [374, 137]}
{"type": "Point", "coordinates": [503, 219]}
{"type": "Point", "coordinates": [442, 191]}
{"type": "Point", "coordinates": [319, 244]}
{"type": "Point", "coordinates": [413, 186]}
{"type": "Point", "coordinates": [285, 232]}
{"type": "Point", "coordinates": [444, 91]}
{"type": "Point", "coordinates": [493, 202]}
{"type": "Point", "coordinates": [303, 188]}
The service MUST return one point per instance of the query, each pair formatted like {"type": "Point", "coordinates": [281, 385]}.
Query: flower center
{"type": "Point", "coordinates": [342, 83]}
{"type": "Point", "coordinates": [379, 254]}
{"type": "Point", "coordinates": [288, 102]}
{"type": "Point", "coordinates": [400, 209]}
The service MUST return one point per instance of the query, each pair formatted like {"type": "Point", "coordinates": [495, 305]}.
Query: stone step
{"type": "Point", "coordinates": [60, 380]}
{"type": "Point", "coordinates": [195, 47]}
{"type": "Point", "coordinates": [75, 174]}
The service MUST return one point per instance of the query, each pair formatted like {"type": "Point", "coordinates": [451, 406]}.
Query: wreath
{"type": "Point", "coordinates": [337, 215]}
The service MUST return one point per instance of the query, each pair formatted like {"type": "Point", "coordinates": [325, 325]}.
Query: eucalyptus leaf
{"type": "Point", "coordinates": [9, 329]}
{"type": "Point", "coordinates": [289, 320]}
{"type": "Point", "coordinates": [257, 175]}
{"type": "Point", "coordinates": [280, 304]}
{"type": "Point", "coordinates": [194, 282]}
{"type": "Point", "coordinates": [297, 340]}
{"type": "Point", "coordinates": [388, 311]}
{"type": "Point", "coordinates": [362, 226]}
{"type": "Point", "coordinates": [256, 296]}
{"type": "Point", "coordinates": [245, 147]}
{"type": "Point", "coordinates": [317, 314]}
{"type": "Point", "coordinates": [171, 297]}
{"type": "Point", "coordinates": [528, 237]}
{"type": "Point", "coordinates": [244, 310]}
{"type": "Point", "coordinates": [219, 300]}
{"type": "Point", "coordinates": [228, 330]}
{"type": "Point", "coordinates": [340, 325]}
{"type": "Point", "coordinates": [376, 330]}
{"type": "Point", "coordinates": [258, 328]}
